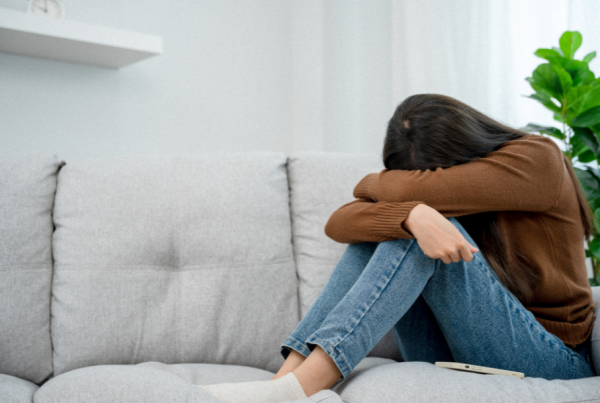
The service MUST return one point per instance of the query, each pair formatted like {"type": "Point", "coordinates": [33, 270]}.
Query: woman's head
{"type": "Point", "coordinates": [428, 131]}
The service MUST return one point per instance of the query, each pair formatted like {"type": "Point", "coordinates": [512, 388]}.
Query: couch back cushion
{"type": "Point", "coordinates": [173, 259]}
{"type": "Point", "coordinates": [27, 187]}
{"type": "Point", "coordinates": [320, 183]}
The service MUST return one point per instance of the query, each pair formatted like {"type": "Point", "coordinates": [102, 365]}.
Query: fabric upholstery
{"type": "Point", "coordinates": [27, 187]}
{"type": "Point", "coordinates": [596, 333]}
{"type": "Point", "coordinates": [173, 259]}
{"type": "Point", "coordinates": [320, 183]}
{"type": "Point", "coordinates": [211, 374]}
{"type": "Point", "coordinates": [15, 390]}
{"type": "Point", "coordinates": [417, 382]}
{"type": "Point", "coordinates": [155, 382]}
{"type": "Point", "coordinates": [120, 383]}
{"type": "Point", "coordinates": [324, 396]}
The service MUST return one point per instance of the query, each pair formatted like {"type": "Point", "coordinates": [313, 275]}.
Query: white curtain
{"type": "Point", "coordinates": [481, 51]}
{"type": "Point", "coordinates": [354, 61]}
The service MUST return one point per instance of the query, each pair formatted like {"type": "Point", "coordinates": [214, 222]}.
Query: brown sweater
{"type": "Point", "coordinates": [527, 183]}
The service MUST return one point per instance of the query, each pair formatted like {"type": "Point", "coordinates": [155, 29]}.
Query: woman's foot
{"type": "Point", "coordinates": [293, 361]}
{"type": "Point", "coordinates": [283, 389]}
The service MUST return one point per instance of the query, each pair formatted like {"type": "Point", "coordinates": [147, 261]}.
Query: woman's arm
{"type": "Point", "coordinates": [437, 237]}
{"type": "Point", "coordinates": [523, 175]}
{"type": "Point", "coordinates": [366, 221]}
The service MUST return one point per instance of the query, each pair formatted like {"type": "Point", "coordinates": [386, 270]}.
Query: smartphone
{"type": "Point", "coordinates": [478, 369]}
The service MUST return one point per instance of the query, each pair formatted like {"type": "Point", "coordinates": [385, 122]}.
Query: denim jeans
{"type": "Point", "coordinates": [439, 312]}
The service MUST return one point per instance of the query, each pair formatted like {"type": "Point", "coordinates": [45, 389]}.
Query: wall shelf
{"type": "Point", "coordinates": [73, 42]}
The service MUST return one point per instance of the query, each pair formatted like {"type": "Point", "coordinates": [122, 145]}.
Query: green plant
{"type": "Point", "coordinates": [570, 90]}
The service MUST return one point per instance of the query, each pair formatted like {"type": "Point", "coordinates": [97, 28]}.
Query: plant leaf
{"type": "Point", "coordinates": [545, 100]}
{"type": "Point", "coordinates": [549, 130]}
{"type": "Point", "coordinates": [591, 99]}
{"type": "Point", "coordinates": [595, 247]}
{"type": "Point", "coordinates": [583, 76]}
{"type": "Point", "coordinates": [566, 82]}
{"type": "Point", "coordinates": [597, 216]}
{"type": "Point", "coordinates": [557, 117]}
{"type": "Point", "coordinates": [588, 138]}
{"type": "Point", "coordinates": [552, 56]}
{"type": "Point", "coordinates": [593, 282]}
{"type": "Point", "coordinates": [546, 78]}
{"type": "Point", "coordinates": [548, 54]}
{"type": "Point", "coordinates": [594, 204]}
{"type": "Point", "coordinates": [575, 98]}
{"type": "Point", "coordinates": [586, 156]}
{"type": "Point", "coordinates": [588, 118]}
{"type": "Point", "coordinates": [589, 57]}
{"type": "Point", "coordinates": [589, 184]}
{"type": "Point", "coordinates": [569, 42]}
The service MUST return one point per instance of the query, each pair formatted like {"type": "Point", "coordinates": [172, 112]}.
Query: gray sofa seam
{"type": "Point", "coordinates": [69, 267]}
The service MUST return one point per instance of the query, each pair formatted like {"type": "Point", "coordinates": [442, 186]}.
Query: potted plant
{"type": "Point", "coordinates": [571, 91]}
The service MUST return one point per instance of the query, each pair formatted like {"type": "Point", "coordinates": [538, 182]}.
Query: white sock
{"type": "Point", "coordinates": [280, 390]}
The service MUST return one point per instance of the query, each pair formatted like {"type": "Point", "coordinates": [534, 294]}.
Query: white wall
{"type": "Point", "coordinates": [281, 75]}
{"type": "Point", "coordinates": [223, 83]}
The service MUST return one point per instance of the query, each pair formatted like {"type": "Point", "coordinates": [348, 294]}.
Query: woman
{"type": "Point", "coordinates": [455, 181]}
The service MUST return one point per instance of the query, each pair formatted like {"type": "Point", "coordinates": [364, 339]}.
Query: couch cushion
{"type": "Point", "coordinates": [210, 374]}
{"type": "Point", "coordinates": [320, 183]}
{"type": "Point", "coordinates": [121, 383]}
{"type": "Point", "coordinates": [596, 332]}
{"type": "Point", "coordinates": [153, 382]}
{"type": "Point", "coordinates": [15, 390]}
{"type": "Point", "coordinates": [173, 259]}
{"type": "Point", "coordinates": [27, 187]}
{"type": "Point", "coordinates": [416, 382]}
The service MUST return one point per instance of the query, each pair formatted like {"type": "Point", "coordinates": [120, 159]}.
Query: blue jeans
{"type": "Point", "coordinates": [439, 312]}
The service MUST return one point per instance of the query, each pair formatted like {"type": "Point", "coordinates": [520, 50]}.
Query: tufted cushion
{"type": "Point", "coordinates": [27, 187]}
{"type": "Point", "coordinates": [173, 259]}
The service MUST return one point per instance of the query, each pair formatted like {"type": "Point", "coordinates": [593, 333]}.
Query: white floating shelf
{"type": "Point", "coordinates": [73, 42]}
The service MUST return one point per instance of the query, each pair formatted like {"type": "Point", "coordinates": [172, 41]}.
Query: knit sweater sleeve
{"type": "Point", "coordinates": [522, 175]}
{"type": "Point", "coordinates": [363, 220]}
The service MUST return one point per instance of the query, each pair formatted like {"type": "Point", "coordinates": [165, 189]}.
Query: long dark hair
{"type": "Point", "coordinates": [428, 131]}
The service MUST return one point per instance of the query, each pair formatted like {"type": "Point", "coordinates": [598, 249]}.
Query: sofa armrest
{"type": "Point", "coordinates": [596, 332]}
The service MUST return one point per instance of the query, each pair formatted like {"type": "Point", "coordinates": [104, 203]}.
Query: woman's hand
{"type": "Point", "coordinates": [438, 237]}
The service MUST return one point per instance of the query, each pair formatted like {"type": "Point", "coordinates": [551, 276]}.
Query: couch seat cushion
{"type": "Point", "coordinates": [16, 390]}
{"type": "Point", "coordinates": [153, 382]}
{"type": "Point", "coordinates": [423, 382]}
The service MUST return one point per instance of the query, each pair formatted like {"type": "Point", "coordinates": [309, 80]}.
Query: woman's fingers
{"type": "Point", "coordinates": [465, 251]}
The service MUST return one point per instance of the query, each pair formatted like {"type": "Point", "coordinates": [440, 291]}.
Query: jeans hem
{"type": "Point", "coordinates": [295, 345]}
{"type": "Point", "coordinates": [337, 357]}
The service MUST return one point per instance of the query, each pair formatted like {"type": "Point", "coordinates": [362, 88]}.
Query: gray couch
{"type": "Point", "coordinates": [139, 278]}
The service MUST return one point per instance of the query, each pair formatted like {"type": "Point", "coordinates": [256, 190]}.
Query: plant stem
{"type": "Point", "coordinates": [567, 138]}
